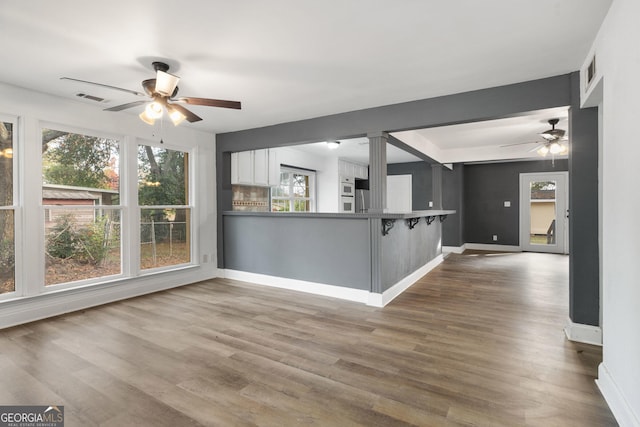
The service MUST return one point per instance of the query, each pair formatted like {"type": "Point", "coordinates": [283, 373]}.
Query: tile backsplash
{"type": "Point", "coordinates": [250, 198]}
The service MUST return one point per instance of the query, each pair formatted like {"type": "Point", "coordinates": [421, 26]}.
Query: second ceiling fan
{"type": "Point", "coordinates": [553, 141]}
{"type": "Point", "coordinates": [163, 91]}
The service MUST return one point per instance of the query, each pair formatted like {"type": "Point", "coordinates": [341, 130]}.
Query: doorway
{"type": "Point", "coordinates": [543, 212]}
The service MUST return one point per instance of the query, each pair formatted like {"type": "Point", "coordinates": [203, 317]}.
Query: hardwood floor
{"type": "Point", "coordinates": [478, 341]}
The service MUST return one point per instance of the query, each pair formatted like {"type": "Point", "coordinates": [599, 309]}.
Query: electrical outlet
{"type": "Point", "coordinates": [430, 204]}
{"type": "Point", "coordinates": [495, 237]}
{"type": "Point", "coordinates": [205, 258]}
{"type": "Point", "coordinates": [507, 203]}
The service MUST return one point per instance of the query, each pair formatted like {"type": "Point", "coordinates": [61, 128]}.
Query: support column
{"type": "Point", "coordinates": [378, 171]}
{"type": "Point", "coordinates": [436, 185]}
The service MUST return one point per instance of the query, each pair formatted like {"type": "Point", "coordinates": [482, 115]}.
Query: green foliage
{"type": "Point", "coordinates": [80, 160]}
{"type": "Point", "coordinates": [7, 255]}
{"type": "Point", "coordinates": [162, 181]}
{"type": "Point", "coordinates": [88, 244]}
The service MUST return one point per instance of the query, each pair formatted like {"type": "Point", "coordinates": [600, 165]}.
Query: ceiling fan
{"type": "Point", "coordinates": [163, 90]}
{"type": "Point", "coordinates": [552, 141]}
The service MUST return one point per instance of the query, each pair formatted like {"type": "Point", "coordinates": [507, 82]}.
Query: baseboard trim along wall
{"type": "Point", "coordinates": [491, 247]}
{"type": "Point", "coordinates": [349, 294]}
{"type": "Point", "coordinates": [454, 249]}
{"type": "Point", "coordinates": [617, 403]}
{"type": "Point", "coordinates": [380, 300]}
{"type": "Point", "coordinates": [587, 334]}
{"type": "Point", "coordinates": [340, 292]}
{"type": "Point", "coordinates": [29, 309]}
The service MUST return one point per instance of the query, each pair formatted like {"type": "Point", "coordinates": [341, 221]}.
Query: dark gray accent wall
{"type": "Point", "coordinates": [584, 268]}
{"type": "Point", "coordinates": [421, 191]}
{"type": "Point", "coordinates": [486, 188]}
{"type": "Point", "coordinates": [453, 198]}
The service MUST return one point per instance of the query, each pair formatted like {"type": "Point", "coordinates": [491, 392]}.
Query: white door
{"type": "Point", "coordinates": [543, 212]}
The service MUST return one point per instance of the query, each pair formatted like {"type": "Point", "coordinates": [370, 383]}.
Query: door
{"type": "Point", "coordinates": [543, 212]}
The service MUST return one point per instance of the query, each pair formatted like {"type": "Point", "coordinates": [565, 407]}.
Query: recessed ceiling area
{"type": "Point", "coordinates": [510, 138]}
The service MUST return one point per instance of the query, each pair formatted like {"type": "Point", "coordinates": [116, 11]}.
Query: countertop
{"type": "Point", "coordinates": [384, 215]}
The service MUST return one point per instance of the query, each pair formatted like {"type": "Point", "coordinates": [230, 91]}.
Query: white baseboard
{"type": "Point", "coordinates": [454, 249]}
{"type": "Point", "coordinates": [587, 334]}
{"type": "Point", "coordinates": [340, 292]}
{"type": "Point", "coordinates": [38, 307]}
{"type": "Point", "coordinates": [615, 399]}
{"type": "Point", "coordinates": [380, 300]}
{"type": "Point", "coordinates": [220, 273]}
{"type": "Point", "coordinates": [491, 247]}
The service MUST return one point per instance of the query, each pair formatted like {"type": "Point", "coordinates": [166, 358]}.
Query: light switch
{"type": "Point", "coordinates": [430, 204]}
{"type": "Point", "coordinates": [507, 204]}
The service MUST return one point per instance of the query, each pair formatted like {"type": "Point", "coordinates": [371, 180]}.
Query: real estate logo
{"type": "Point", "coordinates": [32, 416]}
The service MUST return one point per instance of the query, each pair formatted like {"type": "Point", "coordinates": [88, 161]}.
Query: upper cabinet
{"type": "Point", "coordinates": [257, 167]}
{"type": "Point", "coordinates": [352, 170]}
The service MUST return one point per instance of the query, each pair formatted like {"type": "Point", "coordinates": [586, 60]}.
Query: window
{"type": "Point", "coordinates": [296, 192]}
{"type": "Point", "coordinates": [165, 213]}
{"type": "Point", "coordinates": [7, 209]}
{"type": "Point", "coordinates": [80, 197]}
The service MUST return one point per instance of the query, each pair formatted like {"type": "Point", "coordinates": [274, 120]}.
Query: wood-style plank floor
{"type": "Point", "coordinates": [478, 341]}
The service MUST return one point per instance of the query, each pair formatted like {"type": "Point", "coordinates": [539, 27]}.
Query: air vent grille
{"type": "Point", "coordinates": [591, 71]}
{"type": "Point", "coordinates": [90, 97]}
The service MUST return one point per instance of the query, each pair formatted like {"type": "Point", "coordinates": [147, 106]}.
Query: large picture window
{"type": "Point", "coordinates": [165, 213]}
{"type": "Point", "coordinates": [7, 209]}
{"type": "Point", "coordinates": [295, 192]}
{"type": "Point", "coordinates": [81, 198]}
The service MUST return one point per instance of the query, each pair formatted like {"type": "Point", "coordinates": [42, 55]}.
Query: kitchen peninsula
{"type": "Point", "coordinates": [365, 257]}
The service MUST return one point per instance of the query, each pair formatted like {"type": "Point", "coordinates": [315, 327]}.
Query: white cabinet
{"type": "Point", "coordinates": [257, 167]}
{"type": "Point", "coordinates": [353, 170]}
{"type": "Point", "coordinates": [274, 169]}
{"type": "Point", "coordinates": [261, 167]}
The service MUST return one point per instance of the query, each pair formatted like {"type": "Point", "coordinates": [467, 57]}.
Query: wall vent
{"type": "Point", "coordinates": [90, 97]}
{"type": "Point", "coordinates": [591, 71]}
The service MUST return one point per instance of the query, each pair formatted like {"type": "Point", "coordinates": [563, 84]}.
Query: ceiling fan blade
{"type": "Point", "coordinates": [210, 102]}
{"type": "Point", "coordinates": [125, 106]}
{"type": "Point", "coordinates": [133, 92]}
{"type": "Point", "coordinates": [191, 117]}
{"type": "Point", "coordinates": [519, 143]}
{"type": "Point", "coordinates": [166, 83]}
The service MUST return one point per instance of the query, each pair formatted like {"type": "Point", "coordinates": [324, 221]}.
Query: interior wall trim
{"type": "Point", "coordinates": [491, 247]}
{"type": "Point", "coordinates": [622, 411]}
{"type": "Point", "coordinates": [340, 292]}
{"type": "Point", "coordinates": [587, 334]}
{"type": "Point", "coordinates": [454, 249]}
{"type": "Point", "coordinates": [381, 300]}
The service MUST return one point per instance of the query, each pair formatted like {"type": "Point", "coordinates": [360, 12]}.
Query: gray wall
{"type": "Point", "coordinates": [333, 251]}
{"type": "Point", "coordinates": [486, 188]}
{"type": "Point", "coordinates": [584, 268]}
{"type": "Point", "coordinates": [405, 250]}
{"type": "Point", "coordinates": [453, 198]}
{"type": "Point", "coordinates": [420, 181]}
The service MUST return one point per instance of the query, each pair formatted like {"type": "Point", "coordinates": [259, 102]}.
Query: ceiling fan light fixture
{"type": "Point", "coordinates": [543, 151]}
{"type": "Point", "coordinates": [145, 118]}
{"type": "Point", "coordinates": [154, 110]}
{"type": "Point", "coordinates": [176, 116]}
{"type": "Point", "coordinates": [555, 148]}
{"type": "Point", "coordinates": [166, 83]}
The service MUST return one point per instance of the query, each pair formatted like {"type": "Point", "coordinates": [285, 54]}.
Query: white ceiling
{"type": "Point", "coordinates": [355, 150]}
{"type": "Point", "coordinates": [288, 60]}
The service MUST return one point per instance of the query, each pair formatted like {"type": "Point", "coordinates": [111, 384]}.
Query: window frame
{"type": "Point", "coordinates": [191, 207]}
{"type": "Point", "coordinates": [124, 260]}
{"type": "Point", "coordinates": [15, 207]}
{"type": "Point", "coordinates": [291, 198]}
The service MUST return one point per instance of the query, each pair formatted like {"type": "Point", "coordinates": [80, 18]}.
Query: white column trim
{"type": "Point", "coordinates": [622, 411]}
{"type": "Point", "coordinates": [587, 334]}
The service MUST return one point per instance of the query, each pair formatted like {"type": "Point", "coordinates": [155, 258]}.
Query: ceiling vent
{"type": "Point", "coordinates": [591, 71]}
{"type": "Point", "coordinates": [90, 97]}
